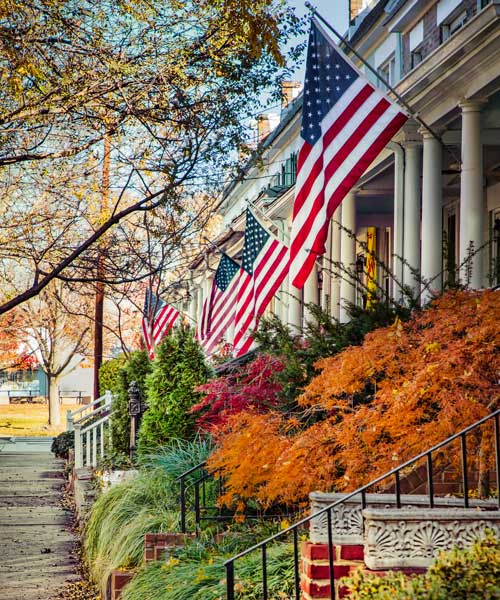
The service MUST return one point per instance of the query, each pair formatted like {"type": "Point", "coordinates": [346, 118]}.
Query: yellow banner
{"type": "Point", "coordinates": [371, 266]}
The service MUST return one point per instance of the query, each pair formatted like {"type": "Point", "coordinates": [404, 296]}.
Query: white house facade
{"type": "Point", "coordinates": [434, 206]}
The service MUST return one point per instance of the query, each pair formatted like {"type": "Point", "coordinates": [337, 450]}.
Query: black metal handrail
{"type": "Point", "coordinates": [293, 529]}
{"type": "Point", "coordinates": [183, 489]}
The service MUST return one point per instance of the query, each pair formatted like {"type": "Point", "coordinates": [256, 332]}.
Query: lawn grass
{"type": "Point", "coordinates": [23, 420]}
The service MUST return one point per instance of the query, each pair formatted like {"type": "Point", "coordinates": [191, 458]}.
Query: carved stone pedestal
{"type": "Point", "coordinates": [412, 537]}
{"type": "Point", "coordinates": [347, 518]}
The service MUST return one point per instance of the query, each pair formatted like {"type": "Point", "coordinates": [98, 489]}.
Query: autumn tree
{"type": "Point", "coordinates": [405, 388]}
{"type": "Point", "coordinates": [249, 387]}
{"type": "Point", "coordinates": [168, 83]}
{"type": "Point", "coordinates": [59, 340]}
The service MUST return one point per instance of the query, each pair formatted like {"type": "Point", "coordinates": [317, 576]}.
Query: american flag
{"type": "Point", "coordinates": [346, 122]}
{"type": "Point", "coordinates": [264, 267]}
{"type": "Point", "coordinates": [219, 307]}
{"type": "Point", "coordinates": [157, 320]}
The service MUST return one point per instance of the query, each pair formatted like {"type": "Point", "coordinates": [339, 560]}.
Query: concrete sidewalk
{"type": "Point", "coordinates": [36, 545]}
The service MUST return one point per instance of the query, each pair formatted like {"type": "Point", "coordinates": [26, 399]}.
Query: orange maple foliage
{"type": "Point", "coordinates": [406, 388]}
{"type": "Point", "coordinates": [12, 354]}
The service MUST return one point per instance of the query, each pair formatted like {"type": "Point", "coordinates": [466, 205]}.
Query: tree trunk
{"type": "Point", "coordinates": [54, 409]}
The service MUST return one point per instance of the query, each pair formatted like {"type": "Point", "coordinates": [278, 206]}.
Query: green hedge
{"type": "Point", "coordinates": [179, 367]}
{"type": "Point", "coordinates": [136, 368]}
{"type": "Point", "coordinates": [109, 374]}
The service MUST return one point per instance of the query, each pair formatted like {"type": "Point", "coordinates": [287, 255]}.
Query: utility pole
{"type": "Point", "coordinates": [99, 287]}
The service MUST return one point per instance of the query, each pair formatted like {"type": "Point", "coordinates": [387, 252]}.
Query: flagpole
{"type": "Point", "coordinates": [215, 247]}
{"type": "Point", "coordinates": [376, 73]}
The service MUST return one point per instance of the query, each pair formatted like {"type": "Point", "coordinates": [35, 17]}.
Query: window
{"type": "Point", "coordinates": [416, 58]}
{"type": "Point", "coordinates": [387, 70]}
{"type": "Point", "coordinates": [452, 25]}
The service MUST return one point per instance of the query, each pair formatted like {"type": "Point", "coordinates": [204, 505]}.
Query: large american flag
{"type": "Point", "coordinates": [346, 122]}
{"type": "Point", "coordinates": [264, 267]}
{"type": "Point", "coordinates": [219, 307]}
{"type": "Point", "coordinates": [157, 320]}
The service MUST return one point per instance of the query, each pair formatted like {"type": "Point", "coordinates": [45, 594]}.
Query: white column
{"type": "Point", "coordinates": [193, 301]}
{"type": "Point", "coordinates": [335, 279]}
{"type": "Point", "coordinates": [471, 194]}
{"type": "Point", "coordinates": [432, 219]}
{"type": "Point", "coordinates": [199, 303]}
{"type": "Point", "coordinates": [398, 220]}
{"type": "Point", "coordinates": [411, 224]}
{"type": "Point", "coordinates": [326, 272]}
{"type": "Point", "coordinates": [294, 307]}
{"type": "Point", "coordinates": [311, 293]}
{"type": "Point", "coordinates": [207, 287]}
{"type": "Point", "coordinates": [348, 255]}
{"type": "Point", "coordinates": [281, 300]}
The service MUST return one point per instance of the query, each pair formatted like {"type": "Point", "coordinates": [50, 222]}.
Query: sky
{"type": "Point", "coordinates": [334, 11]}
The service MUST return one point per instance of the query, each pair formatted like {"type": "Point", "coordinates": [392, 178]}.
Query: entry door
{"type": "Point", "coordinates": [450, 245]}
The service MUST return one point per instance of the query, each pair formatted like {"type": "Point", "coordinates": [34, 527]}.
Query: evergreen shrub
{"type": "Point", "coordinates": [179, 367]}
{"type": "Point", "coordinates": [63, 443]}
{"type": "Point", "coordinates": [109, 374]}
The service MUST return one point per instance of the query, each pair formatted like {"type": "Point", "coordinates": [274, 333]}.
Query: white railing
{"type": "Point", "coordinates": [80, 415]}
{"type": "Point", "coordinates": [92, 437]}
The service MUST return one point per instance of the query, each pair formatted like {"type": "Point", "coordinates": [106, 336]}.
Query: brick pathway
{"type": "Point", "coordinates": [35, 543]}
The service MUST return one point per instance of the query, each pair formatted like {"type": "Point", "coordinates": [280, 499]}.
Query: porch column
{"type": "Point", "coordinates": [199, 303]}
{"type": "Point", "coordinates": [399, 193]}
{"type": "Point", "coordinates": [335, 278]}
{"type": "Point", "coordinates": [411, 224]}
{"type": "Point", "coordinates": [326, 273]}
{"type": "Point", "coordinates": [207, 287]}
{"type": "Point", "coordinates": [311, 293]}
{"type": "Point", "coordinates": [348, 255]}
{"type": "Point", "coordinates": [294, 307]}
{"type": "Point", "coordinates": [432, 220]}
{"type": "Point", "coordinates": [471, 195]}
{"type": "Point", "coordinates": [193, 305]}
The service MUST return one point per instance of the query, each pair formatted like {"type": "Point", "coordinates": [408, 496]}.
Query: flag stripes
{"type": "Point", "coordinates": [158, 319]}
{"type": "Point", "coordinates": [346, 123]}
{"type": "Point", "coordinates": [265, 266]}
{"type": "Point", "coordinates": [219, 306]}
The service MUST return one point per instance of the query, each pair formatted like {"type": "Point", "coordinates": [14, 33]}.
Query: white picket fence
{"type": "Point", "coordinates": [91, 434]}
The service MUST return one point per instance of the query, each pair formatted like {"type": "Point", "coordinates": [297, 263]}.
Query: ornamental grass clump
{"type": "Point", "coordinates": [185, 576]}
{"type": "Point", "coordinates": [148, 503]}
